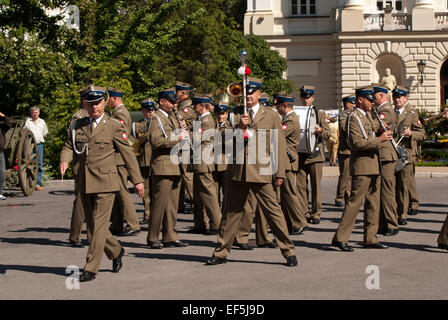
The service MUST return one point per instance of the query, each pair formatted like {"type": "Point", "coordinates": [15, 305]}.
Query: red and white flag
{"type": "Point", "coordinates": [244, 70]}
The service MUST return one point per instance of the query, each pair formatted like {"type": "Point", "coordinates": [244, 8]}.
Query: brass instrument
{"type": "Point", "coordinates": [140, 139]}
{"type": "Point", "coordinates": [235, 89]}
{"type": "Point", "coordinates": [342, 113]}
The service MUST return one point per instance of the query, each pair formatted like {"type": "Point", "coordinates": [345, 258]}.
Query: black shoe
{"type": "Point", "coordinates": [215, 260]}
{"type": "Point", "coordinates": [338, 204]}
{"type": "Point", "coordinates": [402, 222]}
{"type": "Point", "coordinates": [245, 246]}
{"type": "Point", "coordinates": [154, 245]}
{"type": "Point", "coordinates": [412, 212]}
{"type": "Point", "coordinates": [176, 243]}
{"type": "Point", "coordinates": [342, 245]}
{"type": "Point", "coordinates": [376, 246]}
{"type": "Point", "coordinates": [390, 232]}
{"type": "Point", "coordinates": [144, 221]}
{"type": "Point", "coordinates": [291, 261]}
{"type": "Point", "coordinates": [315, 220]}
{"type": "Point", "coordinates": [128, 232]}
{"type": "Point", "coordinates": [297, 231]}
{"type": "Point", "coordinates": [197, 231]}
{"type": "Point", "coordinates": [117, 263]}
{"type": "Point", "coordinates": [308, 219]}
{"type": "Point", "coordinates": [75, 244]}
{"type": "Point", "coordinates": [87, 276]}
{"type": "Point", "coordinates": [443, 246]}
{"type": "Point", "coordinates": [211, 232]}
{"type": "Point", "coordinates": [268, 245]}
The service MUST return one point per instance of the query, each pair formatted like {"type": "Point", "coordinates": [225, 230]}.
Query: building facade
{"type": "Point", "coordinates": [338, 45]}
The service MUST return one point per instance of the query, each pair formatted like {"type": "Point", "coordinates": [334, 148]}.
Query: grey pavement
{"type": "Point", "coordinates": [34, 256]}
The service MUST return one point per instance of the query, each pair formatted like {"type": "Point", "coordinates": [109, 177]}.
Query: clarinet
{"type": "Point", "coordinates": [290, 156]}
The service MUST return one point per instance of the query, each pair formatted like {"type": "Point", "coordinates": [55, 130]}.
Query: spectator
{"type": "Point", "coordinates": [333, 141]}
{"type": "Point", "coordinates": [38, 127]}
{"type": "Point", "coordinates": [5, 124]}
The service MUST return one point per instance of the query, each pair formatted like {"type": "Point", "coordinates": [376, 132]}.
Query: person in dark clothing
{"type": "Point", "coordinates": [5, 124]}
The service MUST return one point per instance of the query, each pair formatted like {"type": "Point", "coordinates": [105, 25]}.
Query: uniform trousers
{"type": "Point", "coordinates": [208, 195]}
{"type": "Point", "coordinates": [363, 188]}
{"type": "Point", "coordinates": [405, 178]}
{"type": "Point", "coordinates": [164, 208]}
{"type": "Point", "coordinates": [332, 149]}
{"type": "Point", "coordinates": [343, 189]}
{"type": "Point", "coordinates": [295, 218]}
{"type": "Point", "coordinates": [97, 209]}
{"type": "Point", "coordinates": [77, 217]}
{"type": "Point", "coordinates": [443, 236]}
{"type": "Point", "coordinates": [234, 209]}
{"type": "Point", "coordinates": [146, 175]}
{"type": "Point", "coordinates": [412, 187]}
{"type": "Point", "coordinates": [186, 190]}
{"type": "Point", "coordinates": [251, 210]}
{"type": "Point", "coordinates": [388, 209]}
{"type": "Point", "coordinates": [314, 170]}
{"type": "Point", "coordinates": [124, 206]}
{"type": "Point", "coordinates": [220, 184]}
{"type": "Point", "coordinates": [200, 217]}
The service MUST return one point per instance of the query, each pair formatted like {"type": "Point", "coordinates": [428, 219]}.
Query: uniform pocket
{"type": "Point", "coordinates": [111, 169]}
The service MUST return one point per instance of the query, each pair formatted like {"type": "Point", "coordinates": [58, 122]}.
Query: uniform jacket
{"type": "Point", "coordinates": [291, 130]}
{"type": "Point", "coordinates": [323, 122]}
{"type": "Point", "coordinates": [388, 115]}
{"type": "Point", "coordinates": [187, 113]}
{"type": "Point", "coordinates": [81, 113]}
{"type": "Point", "coordinates": [409, 119]}
{"type": "Point", "coordinates": [364, 144]}
{"type": "Point", "coordinates": [207, 123]}
{"type": "Point", "coordinates": [343, 147]}
{"type": "Point", "coordinates": [5, 124]}
{"type": "Point", "coordinates": [259, 172]}
{"type": "Point", "coordinates": [221, 127]}
{"type": "Point", "coordinates": [122, 114]}
{"type": "Point", "coordinates": [162, 139]}
{"type": "Point", "coordinates": [144, 159]}
{"type": "Point", "coordinates": [96, 168]}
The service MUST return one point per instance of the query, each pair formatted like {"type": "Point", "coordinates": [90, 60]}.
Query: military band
{"type": "Point", "coordinates": [228, 194]}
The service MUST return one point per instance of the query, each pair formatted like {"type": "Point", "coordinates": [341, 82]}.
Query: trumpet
{"type": "Point", "coordinates": [235, 89]}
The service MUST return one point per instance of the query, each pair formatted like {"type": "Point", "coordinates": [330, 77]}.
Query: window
{"type": "Point", "coordinates": [303, 7]}
{"type": "Point", "coordinates": [394, 4]}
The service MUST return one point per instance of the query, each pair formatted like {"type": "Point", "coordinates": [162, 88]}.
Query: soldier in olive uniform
{"type": "Point", "coordinates": [77, 213]}
{"type": "Point", "coordinates": [410, 127]}
{"type": "Point", "coordinates": [364, 145]}
{"type": "Point", "coordinates": [187, 114]}
{"type": "Point", "coordinates": [124, 206]}
{"type": "Point", "coordinates": [250, 173]}
{"type": "Point", "coordinates": [95, 141]}
{"type": "Point", "coordinates": [204, 162]}
{"type": "Point", "coordinates": [343, 189]}
{"type": "Point", "coordinates": [388, 158]}
{"type": "Point", "coordinates": [311, 164]}
{"type": "Point", "coordinates": [295, 218]}
{"type": "Point", "coordinates": [165, 173]}
{"type": "Point", "coordinates": [140, 131]}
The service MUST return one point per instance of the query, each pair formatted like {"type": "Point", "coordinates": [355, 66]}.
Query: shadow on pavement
{"type": "Point", "coordinates": [417, 247]}
{"type": "Point", "coordinates": [62, 192]}
{"type": "Point", "coordinates": [40, 241]}
{"type": "Point", "coordinates": [33, 269]}
{"type": "Point", "coordinates": [50, 230]}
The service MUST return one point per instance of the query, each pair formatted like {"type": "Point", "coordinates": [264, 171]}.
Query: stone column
{"type": "Point", "coordinates": [423, 16]}
{"type": "Point", "coordinates": [352, 16]}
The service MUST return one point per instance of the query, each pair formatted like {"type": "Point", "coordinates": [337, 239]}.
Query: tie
{"type": "Point", "coordinates": [251, 114]}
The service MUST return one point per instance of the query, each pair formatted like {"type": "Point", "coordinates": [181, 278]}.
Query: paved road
{"type": "Point", "coordinates": [34, 256]}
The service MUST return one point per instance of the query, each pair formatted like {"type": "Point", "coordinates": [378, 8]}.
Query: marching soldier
{"type": "Point", "coordinates": [124, 206]}
{"type": "Point", "coordinates": [295, 218]}
{"type": "Point", "coordinates": [186, 113]}
{"type": "Point", "coordinates": [311, 164]}
{"type": "Point", "coordinates": [203, 168]}
{"type": "Point", "coordinates": [249, 174]}
{"type": "Point", "coordinates": [388, 158]}
{"type": "Point", "coordinates": [343, 189]}
{"type": "Point", "coordinates": [140, 130]}
{"type": "Point", "coordinates": [77, 213]}
{"type": "Point", "coordinates": [365, 169]}
{"type": "Point", "coordinates": [95, 140]}
{"type": "Point", "coordinates": [410, 128]}
{"type": "Point", "coordinates": [165, 174]}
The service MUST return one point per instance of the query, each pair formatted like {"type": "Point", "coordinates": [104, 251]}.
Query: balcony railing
{"type": "Point", "coordinates": [378, 22]}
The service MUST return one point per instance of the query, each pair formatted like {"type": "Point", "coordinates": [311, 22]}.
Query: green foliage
{"type": "Point", "coordinates": [434, 126]}
{"type": "Point", "coordinates": [139, 46]}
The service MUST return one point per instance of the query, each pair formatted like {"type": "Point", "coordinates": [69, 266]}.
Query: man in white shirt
{"type": "Point", "coordinates": [39, 128]}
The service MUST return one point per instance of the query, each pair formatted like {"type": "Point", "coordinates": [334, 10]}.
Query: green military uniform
{"type": "Point", "coordinates": [98, 180]}
{"type": "Point", "coordinates": [407, 118]}
{"type": "Point", "coordinates": [294, 214]}
{"type": "Point", "coordinates": [311, 165]}
{"type": "Point", "coordinates": [256, 176]}
{"type": "Point", "coordinates": [78, 212]}
{"type": "Point", "coordinates": [203, 170]}
{"type": "Point", "coordinates": [388, 160]}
